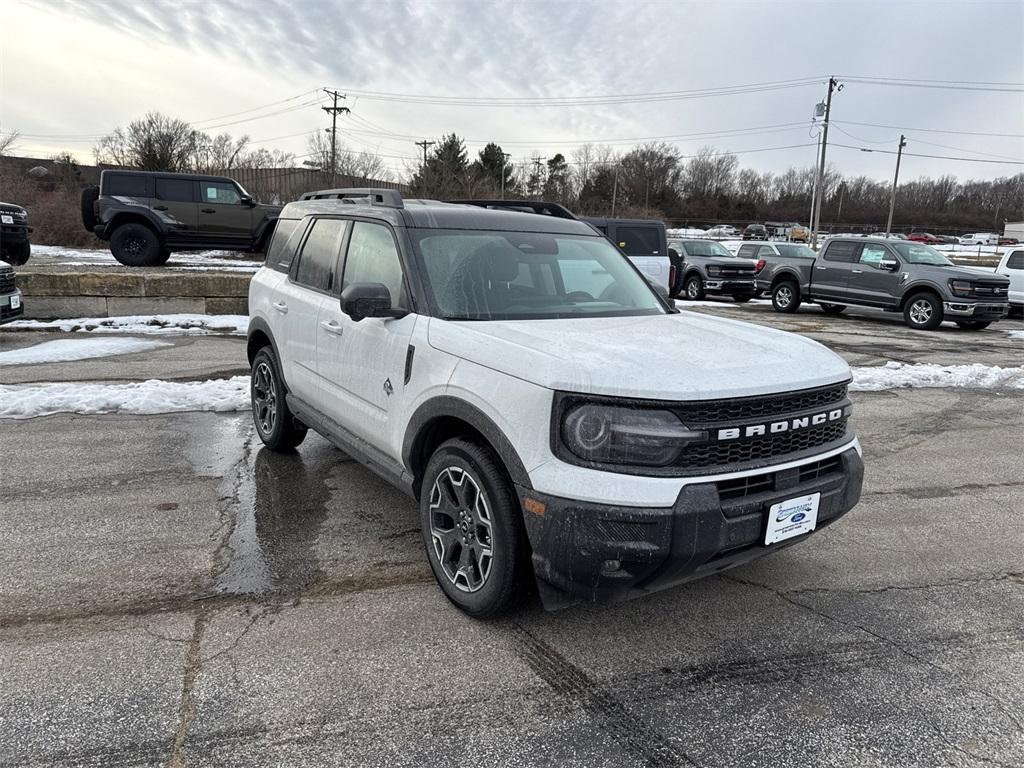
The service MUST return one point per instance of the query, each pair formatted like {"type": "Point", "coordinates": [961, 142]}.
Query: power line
{"type": "Point", "coordinates": [1007, 88]}
{"type": "Point", "coordinates": [932, 130]}
{"type": "Point", "coordinates": [195, 123]}
{"type": "Point", "coordinates": [934, 157]}
{"type": "Point", "coordinates": [919, 80]}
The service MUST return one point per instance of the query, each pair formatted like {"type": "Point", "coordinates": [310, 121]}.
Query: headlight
{"type": "Point", "coordinates": [714, 271]}
{"type": "Point", "coordinates": [616, 435]}
{"type": "Point", "coordinates": [962, 288]}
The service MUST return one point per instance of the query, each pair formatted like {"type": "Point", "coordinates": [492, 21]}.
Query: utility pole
{"type": "Point", "coordinates": [423, 145]}
{"type": "Point", "coordinates": [842, 192]}
{"type": "Point", "coordinates": [895, 181]}
{"type": "Point", "coordinates": [334, 111]}
{"type": "Point", "coordinates": [832, 83]}
{"type": "Point", "coordinates": [504, 162]}
{"type": "Point", "coordinates": [538, 162]}
{"type": "Point", "coordinates": [615, 189]}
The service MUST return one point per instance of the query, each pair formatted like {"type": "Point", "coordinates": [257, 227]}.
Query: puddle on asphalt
{"type": "Point", "coordinates": [279, 506]}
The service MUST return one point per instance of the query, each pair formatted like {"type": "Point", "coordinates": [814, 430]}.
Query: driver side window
{"type": "Point", "coordinates": [220, 192]}
{"type": "Point", "coordinates": [872, 255]}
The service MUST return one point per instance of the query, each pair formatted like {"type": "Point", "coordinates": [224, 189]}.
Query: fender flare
{"type": "Point", "coordinates": [443, 406]}
{"type": "Point", "coordinates": [142, 213]}
{"type": "Point", "coordinates": [917, 287]}
{"type": "Point", "coordinates": [258, 324]}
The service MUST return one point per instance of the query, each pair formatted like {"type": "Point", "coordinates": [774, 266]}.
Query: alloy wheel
{"type": "Point", "coordinates": [264, 396]}
{"type": "Point", "coordinates": [692, 289]}
{"type": "Point", "coordinates": [783, 296]}
{"type": "Point", "coordinates": [920, 312]}
{"type": "Point", "coordinates": [460, 529]}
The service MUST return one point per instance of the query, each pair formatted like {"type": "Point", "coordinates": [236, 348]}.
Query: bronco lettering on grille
{"type": "Point", "coordinates": [776, 427]}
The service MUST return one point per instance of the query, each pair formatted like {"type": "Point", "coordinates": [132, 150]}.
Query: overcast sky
{"type": "Point", "coordinates": [71, 71]}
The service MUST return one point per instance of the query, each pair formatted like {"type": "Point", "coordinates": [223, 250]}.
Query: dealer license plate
{"type": "Point", "coordinates": [792, 517]}
{"type": "Point", "coordinates": [15, 302]}
{"type": "Point", "coordinates": [6, 219]}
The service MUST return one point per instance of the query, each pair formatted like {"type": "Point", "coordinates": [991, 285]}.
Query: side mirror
{"type": "Point", "coordinates": [361, 300]}
{"type": "Point", "coordinates": [246, 200]}
{"type": "Point", "coordinates": [888, 265]}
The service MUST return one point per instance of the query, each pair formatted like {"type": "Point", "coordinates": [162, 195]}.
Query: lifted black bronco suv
{"type": "Point", "coordinates": [14, 232]}
{"type": "Point", "coordinates": [147, 215]}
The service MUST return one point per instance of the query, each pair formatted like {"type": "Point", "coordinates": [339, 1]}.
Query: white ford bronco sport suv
{"type": "Point", "coordinates": [554, 418]}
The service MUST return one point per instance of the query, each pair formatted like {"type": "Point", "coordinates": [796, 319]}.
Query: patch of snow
{"type": "Point", "coordinates": [220, 261]}
{"type": "Point", "coordinates": [177, 324]}
{"type": "Point", "coordinates": [724, 303]}
{"type": "Point", "coordinates": [63, 350]}
{"type": "Point", "coordinates": [1016, 335]}
{"type": "Point", "coordinates": [145, 397]}
{"type": "Point", "coordinates": [894, 375]}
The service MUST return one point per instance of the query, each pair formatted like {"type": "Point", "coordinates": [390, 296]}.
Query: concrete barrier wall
{"type": "Point", "coordinates": [51, 295]}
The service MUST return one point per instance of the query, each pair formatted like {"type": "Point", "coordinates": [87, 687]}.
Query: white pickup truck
{"type": "Point", "coordinates": [1012, 266]}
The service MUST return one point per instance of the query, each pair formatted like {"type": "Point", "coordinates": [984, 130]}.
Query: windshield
{"type": "Point", "coordinates": [918, 253]}
{"type": "Point", "coordinates": [705, 248]}
{"type": "Point", "coordinates": [479, 275]}
{"type": "Point", "coordinates": [795, 251]}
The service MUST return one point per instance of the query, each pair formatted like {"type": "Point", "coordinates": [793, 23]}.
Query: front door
{"type": "Point", "coordinates": [362, 364]}
{"type": "Point", "coordinates": [831, 271]}
{"type": "Point", "coordinates": [222, 214]}
{"type": "Point", "coordinates": [1015, 271]}
{"type": "Point", "coordinates": [174, 202]}
{"type": "Point", "coordinates": [870, 285]}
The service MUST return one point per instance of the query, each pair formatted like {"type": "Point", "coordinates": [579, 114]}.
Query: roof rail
{"type": "Point", "coordinates": [389, 198]}
{"type": "Point", "coordinates": [523, 206]}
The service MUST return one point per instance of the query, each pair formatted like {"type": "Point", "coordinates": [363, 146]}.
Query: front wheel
{"type": "Point", "coordinates": [973, 325]}
{"type": "Point", "coordinates": [832, 309]}
{"type": "Point", "coordinates": [274, 421]}
{"type": "Point", "coordinates": [694, 288]}
{"type": "Point", "coordinates": [472, 529]}
{"type": "Point", "coordinates": [786, 297]}
{"type": "Point", "coordinates": [923, 312]}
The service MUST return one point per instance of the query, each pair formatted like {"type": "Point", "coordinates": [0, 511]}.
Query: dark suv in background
{"type": "Point", "coordinates": [709, 267]}
{"type": "Point", "coordinates": [755, 232]}
{"type": "Point", "coordinates": [147, 215]}
{"type": "Point", "coordinates": [14, 232]}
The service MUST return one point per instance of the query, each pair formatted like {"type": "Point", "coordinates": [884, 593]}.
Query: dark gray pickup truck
{"type": "Point", "coordinates": [704, 266]}
{"type": "Point", "coordinates": [894, 275]}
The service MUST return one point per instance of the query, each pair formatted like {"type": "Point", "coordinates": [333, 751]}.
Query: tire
{"type": "Point", "coordinates": [135, 245]}
{"type": "Point", "coordinates": [694, 287]}
{"type": "Point", "coordinates": [923, 311]}
{"type": "Point", "coordinates": [742, 299]}
{"type": "Point", "coordinates": [274, 422]}
{"type": "Point", "coordinates": [18, 254]}
{"type": "Point", "coordinates": [468, 508]}
{"type": "Point", "coordinates": [89, 196]}
{"type": "Point", "coordinates": [832, 309]}
{"type": "Point", "coordinates": [786, 296]}
{"type": "Point", "coordinates": [164, 256]}
{"type": "Point", "coordinates": [974, 325]}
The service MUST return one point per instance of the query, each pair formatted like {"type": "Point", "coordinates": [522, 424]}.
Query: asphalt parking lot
{"type": "Point", "coordinates": [173, 594]}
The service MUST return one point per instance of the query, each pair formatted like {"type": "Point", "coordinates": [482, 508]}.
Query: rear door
{"type": "Point", "coordinates": [831, 272]}
{"type": "Point", "coordinates": [1015, 271]}
{"type": "Point", "coordinates": [362, 364]}
{"type": "Point", "coordinates": [870, 285]}
{"type": "Point", "coordinates": [174, 201]}
{"type": "Point", "coordinates": [222, 214]}
{"type": "Point", "coordinates": [644, 245]}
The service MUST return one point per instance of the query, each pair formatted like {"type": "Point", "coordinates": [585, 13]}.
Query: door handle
{"type": "Point", "coordinates": [821, 268]}
{"type": "Point", "coordinates": [332, 328]}
{"type": "Point", "coordinates": [281, 307]}
{"type": "Point", "coordinates": [159, 207]}
{"type": "Point", "coordinates": [857, 271]}
{"type": "Point", "coordinates": [209, 210]}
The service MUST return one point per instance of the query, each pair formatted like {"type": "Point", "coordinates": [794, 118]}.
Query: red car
{"type": "Point", "coordinates": [924, 237]}
{"type": "Point", "coordinates": [1008, 241]}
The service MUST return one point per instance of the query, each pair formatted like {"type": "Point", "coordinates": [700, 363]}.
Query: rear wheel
{"type": "Point", "coordinates": [274, 422]}
{"type": "Point", "coordinates": [19, 254]}
{"type": "Point", "coordinates": [89, 196]}
{"type": "Point", "coordinates": [135, 245]}
{"type": "Point", "coordinates": [694, 288]}
{"type": "Point", "coordinates": [973, 325]}
{"type": "Point", "coordinates": [786, 296]}
{"type": "Point", "coordinates": [923, 312]}
{"type": "Point", "coordinates": [832, 309]}
{"type": "Point", "coordinates": [472, 529]}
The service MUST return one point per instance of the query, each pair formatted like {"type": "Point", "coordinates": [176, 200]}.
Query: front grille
{"type": "Point", "coordinates": [817, 469]}
{"type": "Point", "coordinates": [718, 454]}
{"type": "Point", "coordinates": [739, 409]}
{"type": "Point", "coordinates": [736, 271]}
{"type": "Point", "coordinates": [745, 486]}
{"type": "Point", "coordinates": [989, 291]}
{"type": "Point", "coordinates": [7, 281]}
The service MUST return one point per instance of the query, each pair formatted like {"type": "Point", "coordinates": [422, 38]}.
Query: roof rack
{"type": "Point", "coordinates": [389, 198]}
{"type": "Point", "coordinates": [523, 206]}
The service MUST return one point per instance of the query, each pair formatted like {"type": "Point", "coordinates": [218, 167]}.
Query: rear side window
{"type": "Point", "coordinates": [747, 251]}
{"type": "Point", "coordinates": [279, 255]}
{"type": "Point", "coordinates": [319, 256]}
{"type": "Point", "coordinates": [126, 185]}
{"type": "Point", "coordinates": [373, 258]}
{"type": "Point", "coordinates": [1016, 260]}
{"type": "Point", "coordinates": [639, 241]}
{"type": "Point", "coordinates": [842, 250]}
{"type": "Point", "coordinates": [765, 252]}
{"type": "Point", "coordinates": [174, 190]}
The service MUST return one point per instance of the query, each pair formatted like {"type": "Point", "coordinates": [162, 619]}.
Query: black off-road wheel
{"type": "Point", "coordinates": [275, 424]}
{"type": "Point", "coordinates": [18, 254]}
{"type": "Point", "coordinates": [832, 309]}
{"type": "Point", "coordinates": [923, 311]}
{"type": "Point", "coordinates": [695, 288]}
{"type": "Point", "coordinates": [136, 245]}
{"type": "Point", "coordinates": [89, 196]}
{"type": "Point", "coordinates": [473, 529]}
{"type": "Point", "coordinates": [786, 297]}
{"type": "Point", "coordinates": [974, 325]}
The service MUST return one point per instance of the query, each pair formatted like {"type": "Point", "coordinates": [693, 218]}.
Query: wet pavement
{"type": "Point", "coordinates": [171, 593]}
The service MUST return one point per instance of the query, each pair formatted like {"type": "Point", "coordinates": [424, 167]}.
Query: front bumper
{"type": "Point", "coordinates": [976, 310]}
{"type": "Point", "coordinates": [583, 551]}
{"type": "Point", "coordinates": [730, 286]}
{"type": "Point", "coordinates": [7, 309]}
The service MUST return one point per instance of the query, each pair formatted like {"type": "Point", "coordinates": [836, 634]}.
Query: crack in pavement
{"type": "Point", "coordinates": [186, 706]}
{"type": "Point", "coordinates": [938, 491]}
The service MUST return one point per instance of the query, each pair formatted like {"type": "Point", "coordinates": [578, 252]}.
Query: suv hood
{"type": "Point", "coordinates": [11, 208]}
{"type": "Point", "coordinates": [731, 262]}
{"type": "Point", "coordinates": [685, 356]}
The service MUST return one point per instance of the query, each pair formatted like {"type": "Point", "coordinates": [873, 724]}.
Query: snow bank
{"type": "Point", "coordinates": [62, 350]}
{"type": "Point", "coordinates": [184, 260]}
{"type": "Point", "coordinates": [149, 324]}
{"type": "Point", "coordinates": [146, 397]}
{"type": "Point", "coordinates": [901, 375]}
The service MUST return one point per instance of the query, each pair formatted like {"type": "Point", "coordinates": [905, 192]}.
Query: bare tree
{"type": "Point", "coordinates": [8, 141]}
{"type": "Point", "coordinates": [709, 174]}
{"type": "Point", "coordinates": [362, 165]}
